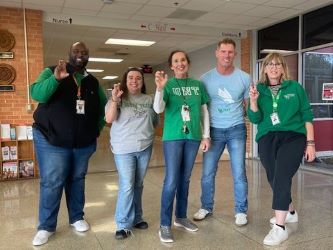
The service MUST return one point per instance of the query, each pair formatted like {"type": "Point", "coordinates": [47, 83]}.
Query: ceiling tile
{"type": "Point", "coordinates": [287, 13]}
{"type": "Point", "coordinates": [235, 8]}
{"type": "Point", "coordinates": [119, 7]}
{"type": "Point", "coordinates": [167, 3]}
{"type": "Point", "coordinates": [59, 3]}
{"type": "Point", "coordinates": [77, 11]}
{"type": "Point", "coordinates": [84, 4]}
{"type": "Point", "coordinates": [264, 11]}
{"type": "Point", "coordinates": [242, 19]}
{"type": "Point", "coordinates": [145, 18]}
{"type": "Point", "coordinates": [202, 5]}
{"type": "Point", "coordinates": [284, 3]}
{"type": "Point", "coordinates": [114, 15]}
{"type": "Point", "coordinates": [158, 11]}
{"type": "Point", "coordinates": [214, 17]}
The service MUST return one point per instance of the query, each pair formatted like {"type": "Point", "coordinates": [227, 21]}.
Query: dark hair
{"type": "Point", "coordinates": [123, 84]}
{"type": "Point", "coordinates": [174, 52]}
{"type": "Point", "coordinates": [226, 41]}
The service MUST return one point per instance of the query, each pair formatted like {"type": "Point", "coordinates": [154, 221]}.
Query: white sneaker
{"type": "Point", "coordinates": [291, 218]}
{"type": "Point", "coordinates": [81, 226]}
{"type": "Point", "coordinates": [276, 236]}
{"type": "Point", "coordinates": [241, 219]}
{"type": "Point", "coordinates": [201, 214]}
{"type": "Point", "coordinates": [41, 237]}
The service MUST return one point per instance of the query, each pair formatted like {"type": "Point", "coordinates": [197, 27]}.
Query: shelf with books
{"type": "Point", "coordinates": [17, 159]}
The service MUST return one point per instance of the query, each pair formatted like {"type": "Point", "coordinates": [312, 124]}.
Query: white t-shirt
{"type": "Point", "coordinates": [133, 131]}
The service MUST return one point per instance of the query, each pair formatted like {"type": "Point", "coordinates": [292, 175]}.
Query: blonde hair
{"type": "Point", "coordinates": [278, 58]}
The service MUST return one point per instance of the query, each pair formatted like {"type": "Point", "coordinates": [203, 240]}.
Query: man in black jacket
{"type": "Point", "coordinates": [68, 120]}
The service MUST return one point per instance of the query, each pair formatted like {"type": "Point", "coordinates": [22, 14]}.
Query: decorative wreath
{"type": "Point", "coordinates": [7, 74]}
{"type": "Point", "coordinates": [7, 40]}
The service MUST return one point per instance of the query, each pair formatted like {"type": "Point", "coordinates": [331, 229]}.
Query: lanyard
{"type": "Point", "coordinates": [78, 88]}
{"type": "Point", "coordinates": [181, 90]}
{"type": "Point", "coordinates": [275, 99]}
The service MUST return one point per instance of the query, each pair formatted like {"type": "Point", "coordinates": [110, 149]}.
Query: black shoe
{"type": "Point", "coordinates": [141, 225]}
{"type": "Point", "coordinates": [122, 234]}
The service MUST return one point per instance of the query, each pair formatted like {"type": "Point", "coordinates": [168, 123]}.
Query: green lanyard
{"type": "Point", "coordinates": [275, 99]}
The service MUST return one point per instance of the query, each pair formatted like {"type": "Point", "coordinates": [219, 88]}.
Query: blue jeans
{"type": "Point", "coordinates": [60, 168]}
{"type": "Point", "coordinates": [179, 161]}
{"type": "Point", "coordinates": [235, 139]}
{"type": "Point", "coordinates": [132, 169]}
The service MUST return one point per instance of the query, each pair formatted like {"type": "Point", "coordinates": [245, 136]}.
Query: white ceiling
{"type": "Point", "coordinates": [94, 21]}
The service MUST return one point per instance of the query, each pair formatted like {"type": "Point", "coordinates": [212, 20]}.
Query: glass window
{"type": "Point", "coordinates": [292, 62]}
{"type": "Point", "coordinates": [317, 27]}
{"type": "Point", "coordinates": [318, 81]}
{"type": "Point", "coordinates": [282, 36]}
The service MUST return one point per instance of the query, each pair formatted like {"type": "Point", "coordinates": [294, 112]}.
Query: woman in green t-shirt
{"type": "Point", "coordinates": [186, 125]}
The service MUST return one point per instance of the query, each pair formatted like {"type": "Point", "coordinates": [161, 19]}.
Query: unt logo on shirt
{"type": "Point", "coordinates": [225, 95]}
{"type": "Point", "coordinates": [288, 96]}
{"type": "Point", "coordinates": [186, 91]}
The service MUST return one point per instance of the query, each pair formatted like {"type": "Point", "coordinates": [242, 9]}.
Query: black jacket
{"type": "Point", "coordinates": [57, 119]}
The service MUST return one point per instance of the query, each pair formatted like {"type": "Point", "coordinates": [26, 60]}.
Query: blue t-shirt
{"type": "Point", "coordinates": [227, 93]}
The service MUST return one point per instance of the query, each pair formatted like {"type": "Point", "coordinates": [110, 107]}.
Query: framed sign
{"type": "Point", "coordinates": [327, 93]}
{"type": "Point", "coordinates": [7, 55]}
{"type": "Point", "coordinates": [5, 88]}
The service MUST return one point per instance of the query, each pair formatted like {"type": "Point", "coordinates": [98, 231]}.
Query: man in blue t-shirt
{"type": "Point", "coordinates": [228, 88]}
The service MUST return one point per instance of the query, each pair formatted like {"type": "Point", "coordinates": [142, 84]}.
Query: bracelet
{"type": "Point", "coordinates": [114, 100]}
{"type": "Point", "coordinates": [310, 142]}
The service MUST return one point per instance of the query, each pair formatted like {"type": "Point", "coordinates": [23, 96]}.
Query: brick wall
{"type": "Point", "coordinates": [13, 105]}
{"type": "Point", "coordinates": [246, 66]}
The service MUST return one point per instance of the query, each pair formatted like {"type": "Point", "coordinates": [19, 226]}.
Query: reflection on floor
{"type": "Point", "coordinates": [312, 193]}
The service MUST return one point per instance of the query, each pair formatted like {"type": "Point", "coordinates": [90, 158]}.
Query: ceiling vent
{"type": "Point", "coordinates": [187, 14]}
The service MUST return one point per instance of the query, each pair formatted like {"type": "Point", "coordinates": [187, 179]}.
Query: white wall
{"type": "Point", "coordinates": [201, 61]}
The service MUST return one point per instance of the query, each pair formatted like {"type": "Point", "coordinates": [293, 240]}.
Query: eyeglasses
{"type": "Point", "coordinates": [272, 65]}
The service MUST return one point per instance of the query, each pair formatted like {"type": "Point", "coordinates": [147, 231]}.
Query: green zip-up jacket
{"type": "Point", "coordinates": [293, 109]}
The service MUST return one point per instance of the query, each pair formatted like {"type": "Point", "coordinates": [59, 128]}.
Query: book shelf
{"type": "Point", "coordinates": [18, 159]}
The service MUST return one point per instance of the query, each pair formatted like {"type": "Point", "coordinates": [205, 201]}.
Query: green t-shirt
{"type": "Point", "coordinates": [178, 92]}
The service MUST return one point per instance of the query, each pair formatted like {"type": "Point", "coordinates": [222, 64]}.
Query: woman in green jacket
{"type": "Point", "coordinates": [283, 113]}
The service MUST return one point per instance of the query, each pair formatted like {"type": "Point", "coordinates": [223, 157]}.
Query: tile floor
{"type": "Point", "coordinates": [312, 194]}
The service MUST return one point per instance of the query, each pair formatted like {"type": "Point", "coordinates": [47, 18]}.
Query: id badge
{"type": "Point", "coordinates": [185, 113]}
{"type": "Point", "coordinates": [80, 107]}
{"type": "Point", "coordinates": [275, 118]}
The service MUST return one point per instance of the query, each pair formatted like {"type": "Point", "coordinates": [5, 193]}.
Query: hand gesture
{"type": "Point", "coordinates": [60, 71]}
{"type": "Point", "coordinates": [254, 94]}
{"type": "Point", "coordinates": [116, 93]}
{"type": "Point", "coordinates": [160, 79]}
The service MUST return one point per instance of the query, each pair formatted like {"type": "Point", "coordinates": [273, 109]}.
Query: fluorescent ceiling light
{"type": "Point", "coordinates": [109, 77]}
{"type": "Point", "coordinates": [129, 42]}
{"type": "Point", "coordinates": [281, 51]}
{"type": "Point", "coordinates": [112, 60]}
{"type": "Point", "coordinates": [95, 70]}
